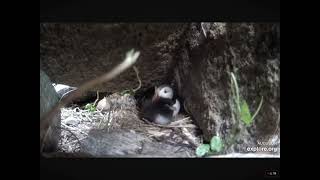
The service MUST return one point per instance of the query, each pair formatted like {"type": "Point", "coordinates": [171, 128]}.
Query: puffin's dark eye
{"type": "Point", "coordinates": [165, 91]}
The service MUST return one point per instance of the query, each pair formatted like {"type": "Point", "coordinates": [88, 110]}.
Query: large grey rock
{"type": "Point", "coordinates": [72, 54]}
{"type": "Point", "coordinates": [124, 143]}
{"type": "Point", "coordinates": [48, 98]}
{"type": "Point", "coordinates": [204, 83]}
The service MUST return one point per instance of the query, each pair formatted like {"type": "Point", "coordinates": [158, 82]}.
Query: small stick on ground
{"type": "Point", "coordinates": [179, 121]}
{"type": "Point", "coordinates": [88, 117]}
{"type": "Point", "coordinates": [169, 126]}
{"type": "Point", "coordinates": [74, 129]}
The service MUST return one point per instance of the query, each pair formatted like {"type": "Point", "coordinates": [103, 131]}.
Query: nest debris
{"type": "Point", "coordinates": [122, 113]}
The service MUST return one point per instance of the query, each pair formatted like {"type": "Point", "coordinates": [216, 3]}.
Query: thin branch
{"type": "Point", "coordinates": [163, 126]}
{"type": "Point", "coordinates": [77, 140]}
{"type": "Point", "coordinates": [203, 30]}
{"type": "Point", "coordinates": [137, 73]}
{"type": "Point", "coordinates": [88, 117]}
{"type": "Point", "coordinates": [169, 126]}
{"type": "Point", "coordinates": [109, 120]}
{"type": "Point", "coordinates": [74, 129]}
{"type": "Point", "coordinates": [95, 102]}
{"type": "Point", "coordinates": [180, 120]}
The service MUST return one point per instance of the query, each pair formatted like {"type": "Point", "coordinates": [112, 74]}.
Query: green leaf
{"type": "Point", "coordinates": [245, 113]}
{"type": "Point", "coordinates": [202, 150]}
{"type": "Point", "coordinates": [216, 144]}
{"type": "Point", "coordinates": [90, 107]}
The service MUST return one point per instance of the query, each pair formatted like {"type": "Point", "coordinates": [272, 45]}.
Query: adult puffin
{"type": "Point", "coordinates": [162, 108]}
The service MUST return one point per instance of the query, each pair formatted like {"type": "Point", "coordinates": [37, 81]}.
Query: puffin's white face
{"type": "Point", "coordinates": [163, 92]}
{"type": "Point", "coordinates": [166, 92]}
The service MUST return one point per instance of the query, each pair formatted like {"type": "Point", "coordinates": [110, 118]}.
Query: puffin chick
{"type": "Point", "coordinates": [162, 108]}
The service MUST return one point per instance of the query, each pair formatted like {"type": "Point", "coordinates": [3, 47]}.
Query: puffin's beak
{"type": "Point", "coordinates": [155, 96]}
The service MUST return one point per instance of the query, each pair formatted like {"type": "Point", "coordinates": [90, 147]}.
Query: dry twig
{"type": "Point", "coordinates": [169, 126]}
{"type": "Point", "coordinates": [95, 102]}
{"type": "Point", "coordinates": [137, 73]}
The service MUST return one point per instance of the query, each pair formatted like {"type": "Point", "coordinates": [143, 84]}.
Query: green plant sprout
{"type": "Point", "coordinates": [240, 112]}
{"type": "Point", "coordinates": [241, 104]}
{"type": "Point", "coordinates": [202, 150]}
{"type": "Point", "coordinates": [90, 107]}
{"type": "Point", "coordinates": [215, 146]}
